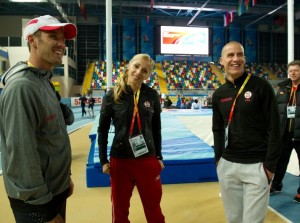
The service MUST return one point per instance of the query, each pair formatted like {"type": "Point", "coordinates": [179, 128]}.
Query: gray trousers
{"type": "Point", "coordinates": [245, 191]}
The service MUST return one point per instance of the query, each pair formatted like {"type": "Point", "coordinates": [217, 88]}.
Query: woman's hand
{"type": "Point", "coordinates": [161, 164]}
{"type": "Point", "coordinates": [106, 168]}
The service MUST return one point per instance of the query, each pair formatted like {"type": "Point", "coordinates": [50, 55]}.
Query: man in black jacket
{"type": "Point", "coordinates": [83, 100]}
{"type": "Point", "coordinates": [288, 99]}
{"type": "Point", "coordinates": [91, 105]}
{"type": "Point", "coordinates": [246, 138]}
{"type": "Point", "coordinates": [167, 102]}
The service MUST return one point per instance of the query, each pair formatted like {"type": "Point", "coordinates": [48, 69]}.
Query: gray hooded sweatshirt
{"type": "Point", "coordinates": [35, 146]}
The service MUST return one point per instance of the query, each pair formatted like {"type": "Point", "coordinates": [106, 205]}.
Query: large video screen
{"type": "Point", "coordinates": [184, 40]}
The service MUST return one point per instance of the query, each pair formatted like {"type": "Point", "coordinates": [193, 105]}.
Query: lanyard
{"type": "Point", "coordinates": [293, 94]}
{"type": "Point", "coordinates": [238, 94]}
{"type": "Point", "coordinates": [29, 64]}
{"type": "Point", "coordinates": [135, 113]}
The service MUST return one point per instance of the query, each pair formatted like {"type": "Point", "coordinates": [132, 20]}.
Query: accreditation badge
{"type": "Point", "coordinates": [226, 136]}
{"type": "Point", "coordinates": [291, 111]}
{"type": "Point", "coordinates": [138, 145]}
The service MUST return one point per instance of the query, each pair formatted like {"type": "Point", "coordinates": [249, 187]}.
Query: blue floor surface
{"type": "Point", "coordinates": [80, 121]}
{"type": "Point", "coordinates": [283, 202]}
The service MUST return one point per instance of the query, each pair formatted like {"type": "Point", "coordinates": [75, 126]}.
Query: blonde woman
{"type": "Point", "coordinates": [135, 155]}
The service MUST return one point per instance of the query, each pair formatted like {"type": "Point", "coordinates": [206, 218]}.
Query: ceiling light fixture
{"type": "Point", "coordinates": [28, 1]}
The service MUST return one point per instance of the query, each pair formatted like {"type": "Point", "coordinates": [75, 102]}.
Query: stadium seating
{"type": "Point", "coordinates": [184, 75]}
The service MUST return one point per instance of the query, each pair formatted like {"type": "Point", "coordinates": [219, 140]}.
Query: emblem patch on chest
{"type": "Point", "coordinates": [248, 96]}
{"type": "Point", "coordinates": [147, 104]}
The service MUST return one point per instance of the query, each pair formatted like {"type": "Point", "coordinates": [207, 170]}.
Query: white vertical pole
{"type": "Point", "coordinates": [290, 15]}
{"type": "Point", "coordinates": [109, 43]}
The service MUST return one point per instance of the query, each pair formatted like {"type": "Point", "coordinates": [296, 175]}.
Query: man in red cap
{"type": "Point", "coordinates": [46, 37]}
{"type": "Point", "coordinates": [35, 146]}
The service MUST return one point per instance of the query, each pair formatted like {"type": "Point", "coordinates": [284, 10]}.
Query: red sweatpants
{"type": "Point", "coordinates": [144, 173]}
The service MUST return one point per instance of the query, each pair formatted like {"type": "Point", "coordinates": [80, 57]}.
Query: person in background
{"type": "Point", "coordinates": [246, 138]}
{"type": "Point", "coordinates": [288, 99]}
{"type": "Point", "coordinates": [188, 103]}
{"type": "Point", "coordinates": [209, 101]}
{"type": "Point", "coordinates": [195, 104]}
{"type": "Point", "coordinates": [182, 105]}
{"type": "Point", "coordinates": [162, 99]}
{"type": "Point", "coordinates": [91, 105]}
{"type": "Point", "coordinates": [135, 155]}
{"type": "Point", "coordinates": [200, 101]}
{"type": "Point", "coordinates": [167, 102]}
{"type": "Point", "coordinates": [178, 102]}
{"type": "Point", "coordinates": [204, 104]}
{"type": "Point", "coordinates": [83, 100]}
{"type": "Point", "coordinates": [35, 146]}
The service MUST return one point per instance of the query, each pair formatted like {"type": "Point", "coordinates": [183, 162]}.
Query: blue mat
{"type": "Point", "coordinates": [283, 202]}
{"type": "Point", "coordinates": [187, 158]}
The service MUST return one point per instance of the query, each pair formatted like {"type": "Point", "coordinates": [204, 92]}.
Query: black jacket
{"type": "Point", "coordinates": [254, 132]}
{"type": "Point", "coordinates": [121, 115]}
{"type": "Point", "coordinates": [283, 95]}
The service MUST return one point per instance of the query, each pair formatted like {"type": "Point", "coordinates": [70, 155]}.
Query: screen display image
{"type": "Point", "coordinates": [184, 40]}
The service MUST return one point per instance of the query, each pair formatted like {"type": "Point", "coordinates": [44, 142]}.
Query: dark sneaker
{"type": "Point", "coordinates": [274, 191]}
{"type": "Point", "coordinates": [297, 198]}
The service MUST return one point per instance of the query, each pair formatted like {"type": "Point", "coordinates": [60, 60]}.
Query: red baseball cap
{"type": "Point", "coordinates": [49, 23]}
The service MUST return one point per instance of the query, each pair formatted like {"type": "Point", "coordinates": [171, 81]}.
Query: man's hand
{"type": "Point", "coordinates": [58, 219]}
{"type": "Point", "coordinates": [71, 188]}
{"type": "Point", "coordinates": [270, 175]}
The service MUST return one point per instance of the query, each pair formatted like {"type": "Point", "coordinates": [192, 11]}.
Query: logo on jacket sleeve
{"type": "Point", "coordinates": [248, 96]}
{"type": "Point", "coordinates": [222, 100]}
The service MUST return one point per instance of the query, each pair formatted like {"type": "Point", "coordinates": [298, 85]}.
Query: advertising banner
{"type": "Point", "coordinates": [147, 37]}
{"type": "Point", "coordinates": [75, 102]}
{"type": "Point", "coordinates": [250, 43]}
{"type": "Point", "coordinates": [129, 41]}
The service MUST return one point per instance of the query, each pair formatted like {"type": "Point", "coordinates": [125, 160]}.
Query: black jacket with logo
{"type": "Point", "coordinates": [121, 114]}
{"type": "Point", "coordinates": [254, 132]}
{"type": "Point", "coordinates": [283, 95]}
